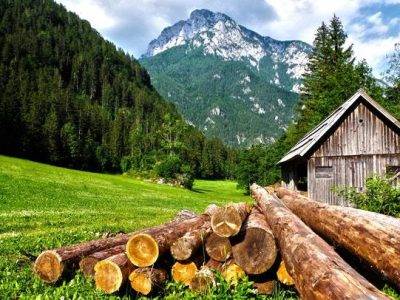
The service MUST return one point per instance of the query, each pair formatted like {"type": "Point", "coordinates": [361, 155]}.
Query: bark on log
{"type": "Point", "coordinates": [317, 270]}
{"type": "Point", "coordinates": [256, 250]}
{"type": "Point", "coordinates": [50, 265]}
{"type": "Point", "coordinates": [218, 248]}
{"type": "Point", "coordinates": [227, 220]}
{"type": "Point", "coordinates": [373, 237]}
{"type": "Point", "coordinates": [184, 272]}
{"type": "Point", "coordinates": [86, 265]}
{"type": "Point", "coordinates": [184, 247]}
{"type": "Point", "coordinates": [112, 273]}
{"type": "Point", "coordinates": [143, 249]}
{"type": "Point", "coordinates": [147, 280]}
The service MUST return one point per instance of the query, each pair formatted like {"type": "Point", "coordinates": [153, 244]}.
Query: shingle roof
{"type": "Point", "coordinates": [303, 147]}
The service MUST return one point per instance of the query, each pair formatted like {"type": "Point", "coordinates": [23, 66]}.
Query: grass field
{"type": "Point", "coordinates": [44, 207]}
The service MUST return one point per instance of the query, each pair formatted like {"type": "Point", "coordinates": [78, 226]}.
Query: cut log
{"type": "Point", "coordinates": [255, 251]}
{"type": "Point", "coordinates": [317, 270]}
{"type": "Point", "coordinates": [203, 280]}
{"type": "Point", "coordinates": [265, 287]}
{"type": "Point", "coordinates": [50, 265]}
{"type": "Point", "coordinates": [283, 275]}
{"type": "Point", "coordinates": [112, 273]}
{"type": "Point", "coordinates": [218, 248]}
{"type": "Point", "coordinates": [227, 220]}
{"type": "Point", "coordinates": [232, 273]}
{"type": "Point", "coordinates": [147, 280]}
{"type": "Point", "coordinates": [373, 237]}
{"type": "Point", "coordinates": [184, 247]}
{"type": "Point", "coordinates": [143, 249]}
{"type": "Point", "coordinates": [184, 272]}
{"type": "Point", "coordinates": [229, 270]}
{"type": "Point", "coordinates": [86, 265]}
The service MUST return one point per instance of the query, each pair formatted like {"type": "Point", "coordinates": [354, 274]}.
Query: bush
{"type": "Point", "coordinates": [169, 167]}
{"type": "Point", "coordinates": [174, 171]}
{"type": "Point", "coordinates": [379, 196]}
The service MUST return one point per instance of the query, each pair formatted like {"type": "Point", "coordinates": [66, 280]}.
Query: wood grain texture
{"type": "Point", "coordinates": [317, 270]}
{"type": "Point", "coordinates": [373, 237]}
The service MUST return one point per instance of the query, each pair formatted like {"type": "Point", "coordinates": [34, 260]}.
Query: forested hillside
{"type": "Point", "coordinates": [69, 97]}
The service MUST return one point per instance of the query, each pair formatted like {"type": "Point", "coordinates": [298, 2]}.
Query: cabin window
{"type": "Point", "coordinates": [323, 172]}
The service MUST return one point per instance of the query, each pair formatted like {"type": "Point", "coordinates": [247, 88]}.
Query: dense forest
{"type": "Point", "coordinates": [70, 98]}
{"type": "Point", "coordinates": [333, 75]}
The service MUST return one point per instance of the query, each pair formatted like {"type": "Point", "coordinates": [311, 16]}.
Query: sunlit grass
{"type": "Point", "coordinates": [43, 207]}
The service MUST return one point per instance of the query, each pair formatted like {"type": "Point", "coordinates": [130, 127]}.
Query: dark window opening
{"type": "Point", "coordinates": [392, 170]}
{"type": "Point", "coordinates": [323, 172]}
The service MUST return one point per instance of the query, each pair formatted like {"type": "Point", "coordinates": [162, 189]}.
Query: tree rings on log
{"type": "Point", "coordinates": [142, 250]}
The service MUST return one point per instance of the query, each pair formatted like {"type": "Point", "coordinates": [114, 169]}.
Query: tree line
{"type": "Point", "coordinates": [70, 98]}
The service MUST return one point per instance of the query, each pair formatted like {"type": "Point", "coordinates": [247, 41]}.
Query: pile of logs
{"type": "Point", "coordinates": [282, 237]}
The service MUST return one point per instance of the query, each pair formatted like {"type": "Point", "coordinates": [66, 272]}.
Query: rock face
{"type": "Point", "coordinates": [226, 79]}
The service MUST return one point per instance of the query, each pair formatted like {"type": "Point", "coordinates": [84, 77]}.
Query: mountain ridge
{"type": "Point", "coordinates": [255, 67]}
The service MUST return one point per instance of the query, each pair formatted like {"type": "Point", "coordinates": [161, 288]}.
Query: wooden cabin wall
{"type": "Point", "coordinates": [361, 146]}
{"type": "Point", "coordinates": [345, 171]}
{"type": "Point", "coordinates": [361, 133]}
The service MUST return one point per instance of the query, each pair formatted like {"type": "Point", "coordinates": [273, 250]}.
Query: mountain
{"type": "Point", "coordinates": [227, 80]}
{"type": "Point", "coordinates": [69, 97]}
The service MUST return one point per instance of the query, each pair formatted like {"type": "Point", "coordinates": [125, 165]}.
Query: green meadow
{"type": "Point", "coordinates": [43, 207]}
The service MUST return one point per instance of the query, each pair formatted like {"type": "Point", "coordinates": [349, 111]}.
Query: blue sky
{"type": "Point", "coordinates": [373, 26]}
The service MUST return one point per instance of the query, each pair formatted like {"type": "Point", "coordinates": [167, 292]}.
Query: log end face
{"type": "Point", "coordinates": [257, 253]}
{"type": "Point", "coordinates": [184, 272]}
{"type": "Point", "coordinates": [180, 250]}
{"type": "Point", "coordinates": [226, 221]}
{"type": "Point", "coordinates": [203, 280]}
{"type": "Point", "coordinates": [283, 275]}
{"type": "Point", "coordinates": [218, 248]}
{"type": "Point", "coordinates": [49, 266]}
{"type": "Point", "coordinates": [265, 288]}
{"type": "Point", "coordinates": [140, 282]}
{"type": "Point", "coordinates": [233, 273]}
{"type": "Point", "coordinates": [142, 250]}
{"type": "Point", "coordinates": [108, 276]}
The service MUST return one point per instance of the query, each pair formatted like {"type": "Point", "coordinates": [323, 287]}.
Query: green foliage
{"type": "Point", "coordinates": [43, 207]}
{"type": "Point", "coordinates": [223, 290]}
{"type": "Point", "coordinates": [391, 292]}
{"type": "Point", "coordinates": [380, 196]}
{"type": "Point", "coordinates": [253, 164]}
{"type": "Point", "coordinates": [71, 98]}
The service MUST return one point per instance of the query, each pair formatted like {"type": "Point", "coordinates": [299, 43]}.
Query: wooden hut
{"type": "Point", "coordinates": [357, 140]}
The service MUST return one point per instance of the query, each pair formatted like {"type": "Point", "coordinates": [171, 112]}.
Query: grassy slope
{"type": "Point", "coordinates": [43, 207]}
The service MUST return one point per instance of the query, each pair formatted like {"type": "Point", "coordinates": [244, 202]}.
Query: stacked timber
{"type": "Point", "coordinates": [267, 242]}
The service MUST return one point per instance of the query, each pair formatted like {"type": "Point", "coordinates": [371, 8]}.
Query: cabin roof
{"type": "Point", "coordinates": [306, 144]}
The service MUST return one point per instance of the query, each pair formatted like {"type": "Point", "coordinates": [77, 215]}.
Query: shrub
{"type": "Point", "coordinates": [379, 196]}
{"type": "Point", "coordinates": [169, 167]}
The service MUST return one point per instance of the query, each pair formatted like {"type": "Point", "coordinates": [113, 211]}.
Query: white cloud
{"type": "Point", "coordinates": [92, 11]}
{"type": "Point", "coordinates": [132, 24]}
